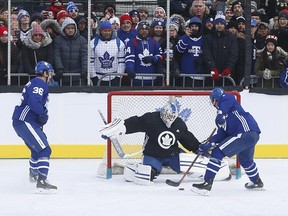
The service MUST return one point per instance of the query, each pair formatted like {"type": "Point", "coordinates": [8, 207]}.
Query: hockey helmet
{"type": "Point", "coordinates": [43, 66]}
{"type": "Point", "coordinates": [169, 113]}
{"type": "Point", "coordinates": [216, 94]}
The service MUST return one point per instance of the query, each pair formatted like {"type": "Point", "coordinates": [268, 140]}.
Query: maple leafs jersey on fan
{"type": "Point", "coordinates": [107, 57]}
{"type": "Point", "coordinates": [137, 49]}
{"type": "Point", "coordinates": [161, 141]}
{"type": "Point", "coordinates": [34, 102]}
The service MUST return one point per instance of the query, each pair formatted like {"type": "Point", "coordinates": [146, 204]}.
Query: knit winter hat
{"type": "Point", "coordinates": [283, 13]}
{"type": "Point", "coordinates": [134, 13]}
{"type": "Point", "coordinates": [174, 25]}
{"type": "Point", "coordinates": [195, 20]}
{"type": "Point", "coordinates": [36, 30]}
{"type": "Point", "coordinates": [61, 14]}
{"type": "Point", "coordinates": [220, 18]}
{"type": "Point", "coordinates": [159, 8]}
{"type": "Point", "coordinates": [114, 20]}
{"type": "Point", "coordinates": [3, 31]}
{"type": "Point", "coordinates": [236, 3]}
{"type": "Point", "coordinates": [254, 5]}
{"type": "Point", "coordinates": [158, 22]}
{"type": "Point", "coordinates": [71, 6]}
{"type": "Point", "coordinates": [125, 17]}
{"type": "Point", "coordinates": [143, 25]}
{"type": "Point", "coordinates": [281, 5]}
{"type": "Point", "coordinates": [105, 25]}
{"type": "Point", "coordinates": [23, 13]}
{"type": "Point", "coordinates": [271, 38]}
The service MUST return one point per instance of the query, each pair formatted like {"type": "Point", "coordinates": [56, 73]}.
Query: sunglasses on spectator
{"type": "Point", "coordinates": [73, 11]}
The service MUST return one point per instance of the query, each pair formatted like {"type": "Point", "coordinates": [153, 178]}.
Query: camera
{"type": "Point", "coordinates": [50, 13]}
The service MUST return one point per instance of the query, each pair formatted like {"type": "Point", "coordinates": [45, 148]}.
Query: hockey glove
{"type": "Point", "coordinates": [43, 118]}
{"type": "Point", "coordinates": [267, 74]}
{"type": "Point", "coordinates": [148, 59]}
{"type": "Point", "coordinates": [205, 147]}
{"type": "Point", "coordinates": [215, 74]}
{"type": "Point", "coordinates": [220, 119]}
{"type": "Point", "coordinates": [130, 72]}
{"type": "Point", "coordinates": [226, 72]}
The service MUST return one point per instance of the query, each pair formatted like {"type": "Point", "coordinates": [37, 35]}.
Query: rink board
{"type": "Point", "coordinates": [97, 151]}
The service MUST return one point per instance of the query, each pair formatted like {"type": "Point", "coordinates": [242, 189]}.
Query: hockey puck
{"type": "Point", "coordinates": [181, 189]}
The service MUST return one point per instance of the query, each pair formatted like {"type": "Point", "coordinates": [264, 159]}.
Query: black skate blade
{"type": "Point", "coordinates": [172, 183]}
{"type": "Point", "coordinates": [201, 192]}
{"type": "Point", "coordinates": [45, 191]}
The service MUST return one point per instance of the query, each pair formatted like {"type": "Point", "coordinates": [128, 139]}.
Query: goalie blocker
{"type": "Point", "coordinates": [144, 174]}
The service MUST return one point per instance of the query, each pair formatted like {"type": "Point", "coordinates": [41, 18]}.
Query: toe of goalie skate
{"type": "Point", "coordinates": [202, 192]}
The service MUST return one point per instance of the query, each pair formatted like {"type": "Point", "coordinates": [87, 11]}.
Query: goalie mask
{"type": "Point", "coordinates": [169, 113]}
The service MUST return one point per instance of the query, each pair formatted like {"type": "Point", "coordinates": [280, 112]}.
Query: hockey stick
{"type": "Point", "coordinates": [176, 184]}
{"type": "Point", "coordinates": [116, 143]}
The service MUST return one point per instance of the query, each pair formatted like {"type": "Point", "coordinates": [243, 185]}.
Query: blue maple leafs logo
{"type": "Point", "coordinates": [184, 114]}
{"type": "Point", "coordinates": [106, 61]}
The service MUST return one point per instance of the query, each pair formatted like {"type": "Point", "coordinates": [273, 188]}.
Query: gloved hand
{"type": "Point", "coordinates": [226, 72]}
{"type": "Point", "coordinates": [205, 147]}
{"type": "Point", "coordinates": [59, 74]}
{"type": "Point", "coordinates": [43, 118]}
{"type": "Point", "coordinates": [148, 59]}
{"type": "Point", "coordinates": [130, 72]}
{"type": "Point", "coordinates": [215, 74]}
{"type": "Point", "coordinates": [220, 119]}
{"type": "Point", "coordinates": [83, 75]}
{"type": "Point", "coordinates": [267, 74]}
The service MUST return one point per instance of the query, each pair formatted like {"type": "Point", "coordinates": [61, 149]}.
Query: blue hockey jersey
{"type": "Point", "coordinates": [237, 119]}
{"type": "Point", "coordinates": [192, 54]}
{"type": "Point", "coordinates": [137, 49]}
{"type": "Point", "coordinates": [126, 36]}
{"type": "Point", "coordinates": [34, 102]}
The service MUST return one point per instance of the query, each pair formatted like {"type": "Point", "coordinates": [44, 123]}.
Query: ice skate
{"type": "Point", "coordinates": [257, 185]}
{"type": "Point", "coordinates": [44, 187]}
{"type": "Point", "coordinates": [203, 188]}
{"type": "Point", "coordinates": [33, 176]}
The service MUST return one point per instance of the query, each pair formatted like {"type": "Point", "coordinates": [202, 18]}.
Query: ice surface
{"type": "Point", "coordinates": [81, 193]}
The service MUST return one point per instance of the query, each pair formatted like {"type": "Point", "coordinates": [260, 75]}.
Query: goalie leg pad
{"type": "Point", "coordinates": [143, 175]}
{"type": "Point", "coordinates": [129, 172]}
{"type": "Point", "coordinates": [115, 128]}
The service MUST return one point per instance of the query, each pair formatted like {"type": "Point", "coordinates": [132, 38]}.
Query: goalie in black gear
{"type": "Point", "coordinates": [162, 131]}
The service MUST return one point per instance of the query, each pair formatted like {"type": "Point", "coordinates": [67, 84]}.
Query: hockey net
{"type": "Point", "coordinates": [195, 109]}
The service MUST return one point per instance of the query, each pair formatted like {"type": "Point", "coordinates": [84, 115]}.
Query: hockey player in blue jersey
{"type": "Point", "coordinates": [237, 134]}
{"type": "Point", "coordinates": [28, 120]}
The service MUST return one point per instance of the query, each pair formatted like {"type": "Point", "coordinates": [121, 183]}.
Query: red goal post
{"type": "Point", "coordinates": [195, 109]}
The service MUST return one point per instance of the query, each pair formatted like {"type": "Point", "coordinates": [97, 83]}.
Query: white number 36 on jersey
{"type": "Point", "coordinates": [37, 90]}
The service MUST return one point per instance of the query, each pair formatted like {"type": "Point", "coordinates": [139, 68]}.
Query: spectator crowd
{"type": "Point", "coordinates": [207, 43]}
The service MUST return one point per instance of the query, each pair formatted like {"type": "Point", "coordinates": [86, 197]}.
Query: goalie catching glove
{"type": "Point", "coordinates": [114, 128]}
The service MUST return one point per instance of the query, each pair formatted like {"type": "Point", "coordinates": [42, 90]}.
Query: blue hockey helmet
{"type": "Point", "coordinates": [43, 66]}
{"type": "Point", "coordinates": [169, 113]}
{"type": "Point", "coordinates": [216, 94]}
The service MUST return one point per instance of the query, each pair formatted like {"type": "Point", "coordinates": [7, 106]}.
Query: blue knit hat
{"type": "Point", "coordinates": [71, 6]}
{"type": "Point", "coordinates": [23, 13]}
{"type": "Point", "coordinates": [220, 18]}
{"type": "Point", "coordinates": [105, 25]}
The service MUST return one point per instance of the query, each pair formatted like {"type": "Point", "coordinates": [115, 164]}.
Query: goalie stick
{"type": "Point", "coordinates": [176, 184]}
{"type": "Point", "coordinates": [116, 144]}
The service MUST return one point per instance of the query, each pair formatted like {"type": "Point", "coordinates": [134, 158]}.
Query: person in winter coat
{"type": "Point", "coordinates": [220, 49]}
{"type": "Point", "coordinates": [37, 46]}
{"type": "Point", "coordinates": [70, 54]}
{"type": "Point", "coordinates": [269, 62]}
{"type": "Point", "coordinates": [4, 57]}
